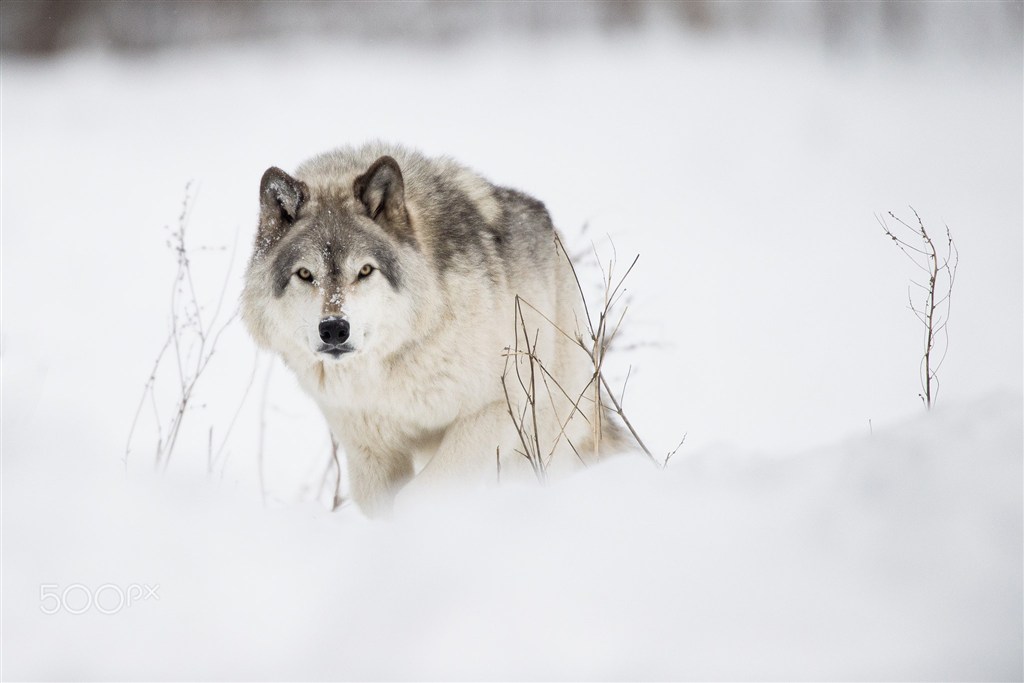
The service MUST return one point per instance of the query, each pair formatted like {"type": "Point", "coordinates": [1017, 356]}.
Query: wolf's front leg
{"type": "Point", "coordinates": [466, 456]}
{"type": "Point", "coordinates": [374, 478]}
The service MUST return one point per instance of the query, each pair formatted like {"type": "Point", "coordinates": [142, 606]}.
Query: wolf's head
{"type": "Point", "coordinates": [335, 268]}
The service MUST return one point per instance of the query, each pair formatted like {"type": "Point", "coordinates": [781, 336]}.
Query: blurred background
{"type": "Point", "coordinates": [41, 27]}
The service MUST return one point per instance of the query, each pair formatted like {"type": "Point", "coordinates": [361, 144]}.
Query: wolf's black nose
{"type": "Point", "coordinates": [333, 330]}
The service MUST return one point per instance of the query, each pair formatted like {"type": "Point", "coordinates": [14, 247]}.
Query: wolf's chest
{"type": "Point", "coordinates": [390, 407]}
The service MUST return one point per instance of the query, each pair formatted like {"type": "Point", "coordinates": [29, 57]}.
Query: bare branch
{"type": "Point", "coordinates": [673, 452]}
{"type": "Point", "coordinates": [193, 341]}
{"type": "Point", "coordinates": [625, 421]}
{"type": "Point", "coordinates": [528, 367]}
{"type": "Point", "coordinates": [933, 308]}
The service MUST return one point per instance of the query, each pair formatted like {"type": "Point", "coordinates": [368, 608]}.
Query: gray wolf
{"type": "Point", "coordinates": [387, 281]}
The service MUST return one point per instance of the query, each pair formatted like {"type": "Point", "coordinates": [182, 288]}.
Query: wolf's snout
{"type": "Point", "coordinates": [334, 330]}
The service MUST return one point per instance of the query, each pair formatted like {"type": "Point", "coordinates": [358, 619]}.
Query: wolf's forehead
{"type": "Point", "coordinates": [334, 237]}
{"type": "Point", "coordinates": [331, 238]}
{"type": "Point", "coordinates": [325, 241]}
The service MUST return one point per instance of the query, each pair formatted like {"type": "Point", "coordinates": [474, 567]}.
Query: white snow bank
{"type": "Point", "coordinates": [891, 556]}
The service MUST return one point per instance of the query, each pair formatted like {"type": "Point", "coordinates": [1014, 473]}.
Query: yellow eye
{"type": "Point", "coordinates": [304, 274]}
{"type": "Point", "coordinates": [365, 270]}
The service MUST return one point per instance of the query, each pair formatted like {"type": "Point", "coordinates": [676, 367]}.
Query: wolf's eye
{"type": "Point", "coordinates": [304, 274]}
{"type": "Point", "coordinates": [365, 271]}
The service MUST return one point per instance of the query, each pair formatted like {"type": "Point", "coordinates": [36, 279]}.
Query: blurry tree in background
{"type": "Point", "coordinates": [41, 27]}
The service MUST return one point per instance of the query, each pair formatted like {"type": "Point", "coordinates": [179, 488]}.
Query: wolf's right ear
{"type": "Point", "coordinates": [281, 196]}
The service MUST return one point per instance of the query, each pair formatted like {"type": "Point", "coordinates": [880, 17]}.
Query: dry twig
{"type": "Point", "coordinates": [932, 306]}
{"type": "Point", "coordinates": [601, 332]}
{"type": "Point", "coordinates": [193, 341]}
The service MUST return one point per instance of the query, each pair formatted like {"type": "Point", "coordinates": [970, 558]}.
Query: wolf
{"type": "Point", "coordinates": [408, 294]}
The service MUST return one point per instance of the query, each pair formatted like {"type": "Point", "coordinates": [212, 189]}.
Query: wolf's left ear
{"type": "Point", "coordinates": [381, 191]}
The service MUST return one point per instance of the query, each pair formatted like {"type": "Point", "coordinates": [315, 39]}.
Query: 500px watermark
{"type": "Point", "coordinates": [109, 598]}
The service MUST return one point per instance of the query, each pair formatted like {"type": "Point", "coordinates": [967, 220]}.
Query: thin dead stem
{"type": "Point", "coordinates": [193, 342]}
{"type": "Point", "coordinates": [932, 306]}
{"type": "Point", "coordinates": [671, 453]}
{"type": "Point", "coordinates": [263, 433]}
{"type": "Point", "coordinates": [603, 326]}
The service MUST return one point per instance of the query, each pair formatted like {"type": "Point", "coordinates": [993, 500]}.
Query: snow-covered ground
{"type": "Point", "coordinates": [896, 556]}
{"type": "Point", "coordinates": [815, 524]}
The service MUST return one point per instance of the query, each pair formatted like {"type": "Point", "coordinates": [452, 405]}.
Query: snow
{"type": "Point", "coordinates": [816, 523]}
{"type": "Point", "coordinates": [888, 556]}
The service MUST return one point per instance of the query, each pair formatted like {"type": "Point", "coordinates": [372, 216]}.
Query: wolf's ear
{"type": "Point", "coordinates": [381, 191]}
{"type": "Point", "coordinates": [281, 196]}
